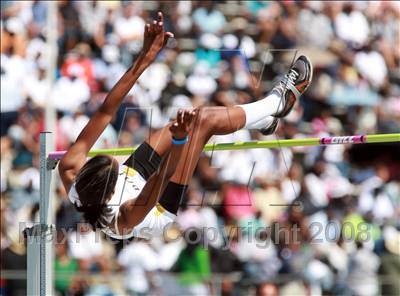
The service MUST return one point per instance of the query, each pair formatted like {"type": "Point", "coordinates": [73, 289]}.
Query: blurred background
{"type": "Point", "coordinates": [224, 53]}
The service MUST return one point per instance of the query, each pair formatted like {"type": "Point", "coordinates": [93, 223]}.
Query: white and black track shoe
{"type": "Point", "coordinates": [293, 84]}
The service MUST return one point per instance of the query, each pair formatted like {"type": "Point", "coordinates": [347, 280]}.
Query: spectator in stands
{"type": "Point", "coordinates": [139, 260]}
{"type": "Point", "coordinates": [65, 267]}
{"type": "Point", "coordinates": [208, 19]}
{"type": "Point", "coordinates": [13, 258]}
{"type": "Point", "coordinates": [363, 267]}
{"type": "Point", "coordinates": [193, 264]}
{"type": "Point", "coordinates": [89, 249]}
{"type": "Point", "coordinates": [267, 289]}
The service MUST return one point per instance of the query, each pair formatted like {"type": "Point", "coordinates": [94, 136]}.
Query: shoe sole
{"type": "Point", "coordinates": [271, 129]}
{"type": "Point", "coordinates": [311, 72]}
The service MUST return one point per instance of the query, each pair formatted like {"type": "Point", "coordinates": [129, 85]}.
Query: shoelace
{"type": "Point", "coordinates": [288, 80]}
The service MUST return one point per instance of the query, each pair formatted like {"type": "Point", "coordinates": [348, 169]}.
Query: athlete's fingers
{"type": "Point", "coordinates": [151, 29]}
{"type": "Point", "coordinates": [160, 22]}
{"type": "Point", "coordinates": [179, 117]}
{"type": "Point", "coordinates": [182, 118]}
{"type": "Point", "coordinates": [187, 119]}
{"type": "Point", "coordinates": [160, 17]}
{"type": "Point", "coordinates": [193, 114]}
{"type": "Point", "coordinates": [159, 27]}
{"type": "Point", "coordinates": [167, 36]}
{"type": "Point", "coordinates": [155, 27]}
{"type": "Point", "coordinates": [190, 116]}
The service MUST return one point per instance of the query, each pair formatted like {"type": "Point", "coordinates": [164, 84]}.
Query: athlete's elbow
{"type": "Point", "coordinates": [62, 167]}
{"type": "Point", "coordinates": [66, 165]}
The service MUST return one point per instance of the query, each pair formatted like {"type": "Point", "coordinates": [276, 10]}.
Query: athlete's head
{"type": "Point", "coordinates": [95, 184]}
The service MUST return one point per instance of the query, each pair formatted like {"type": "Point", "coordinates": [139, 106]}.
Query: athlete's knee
{"type": "Point", "coordinates": [206, 118]}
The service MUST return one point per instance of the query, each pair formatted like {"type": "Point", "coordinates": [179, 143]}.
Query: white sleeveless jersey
{"type": "Point", "coordinates": [129, 185]}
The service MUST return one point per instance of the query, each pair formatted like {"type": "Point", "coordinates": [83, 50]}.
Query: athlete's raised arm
{"type": "Point", "coordinates": [155, 39]}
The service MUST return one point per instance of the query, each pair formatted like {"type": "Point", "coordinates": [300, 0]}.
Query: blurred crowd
{"type": "Point", "coordinates": [301, 221]}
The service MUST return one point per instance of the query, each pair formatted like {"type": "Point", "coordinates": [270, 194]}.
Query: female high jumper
{"type": "Point", "coordinates": [141, 196]}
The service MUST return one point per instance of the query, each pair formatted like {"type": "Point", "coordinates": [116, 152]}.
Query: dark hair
{"type": "Point", "coordinates": [94, 184]}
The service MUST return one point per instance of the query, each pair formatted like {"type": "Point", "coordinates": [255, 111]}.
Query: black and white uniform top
{"type": "Point", "coordinates": [129, 185]}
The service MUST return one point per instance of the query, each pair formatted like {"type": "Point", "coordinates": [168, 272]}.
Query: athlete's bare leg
{"type": "Point", "coordinates": [209, 121]}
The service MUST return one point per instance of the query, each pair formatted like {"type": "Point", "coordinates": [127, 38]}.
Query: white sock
{"type": "Point", "coordinates": [265, 122]}
{"type": "Point", "coordinates": [258, 114]}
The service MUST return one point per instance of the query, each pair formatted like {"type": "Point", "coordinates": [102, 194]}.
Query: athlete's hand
{"type": "Point", "coordinates": [155, 38]}
{"type": "Point", "coordinates": [183, 123]}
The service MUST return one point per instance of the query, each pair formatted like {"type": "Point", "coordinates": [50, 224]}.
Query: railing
{"type": "Point", "coordinates": [116, 279]}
